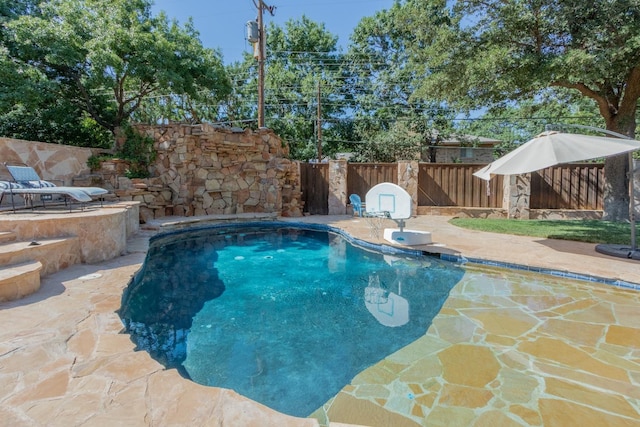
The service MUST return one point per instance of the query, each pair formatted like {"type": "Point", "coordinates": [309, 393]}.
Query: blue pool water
{"type": "Point", "coordinates": [286, 316]}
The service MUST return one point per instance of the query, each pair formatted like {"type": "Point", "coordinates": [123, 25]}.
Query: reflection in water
{"type": "Point", "coordinates": [284, 316]}
{"type": "Point", "coordinates": [388, 307]}
{"type": "Point", "coordinates": [159, 307]}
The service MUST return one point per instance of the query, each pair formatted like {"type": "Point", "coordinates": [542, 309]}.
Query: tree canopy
{"type": "Point", "coordinates": [72, 69]}
{"type": "Point", "coordinates": [482, 53]}
{"type": "Point", "coordinates": [303, 70]}
{"type": "Point", "coordinates": [392, 119]}
{"type": "Point", "coordinates": [101, 60]}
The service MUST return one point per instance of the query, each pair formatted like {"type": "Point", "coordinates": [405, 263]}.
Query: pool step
{"type": "Point", "coordinates": [7, 236]}
{"type": "Point", "coordinates": [178, 223]}
{"type": "Point", "coordinates": [54, 253]}
{"type": "Point", "coordinates": [22, 264]}
{"type": "Point", "coordinates": [19, 280]}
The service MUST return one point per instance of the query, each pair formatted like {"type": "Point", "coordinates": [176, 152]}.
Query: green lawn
{"type": "Point", "coordinates": [592, 231]}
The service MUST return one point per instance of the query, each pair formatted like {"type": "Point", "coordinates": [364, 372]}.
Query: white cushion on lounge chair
{"type": "Point", "coordinates": [6, 185]}
{"type": "Point", "coordinates": [73, 192]}
{"type": "Point", "coordinates": [29, 178]}
{"type": "Point", "coordinates": [37, 184]}
{"type": "Point", "coordinates": [92, 191]}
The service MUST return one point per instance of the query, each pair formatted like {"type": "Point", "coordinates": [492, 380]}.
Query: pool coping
{"type": "Point", "coordinates": [393, 249]}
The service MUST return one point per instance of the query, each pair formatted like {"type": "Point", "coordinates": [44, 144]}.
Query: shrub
{"type": "Point", "coordinates": [138, 149]}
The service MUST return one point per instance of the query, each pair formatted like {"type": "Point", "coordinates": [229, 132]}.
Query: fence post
{"type": "Point", "coordinates": [636, 187]}
{"type": "Point", "coordinates": [337, 187]}
{"type": "Point", "coordinates": [517, 194]}
{"type": "Point", "coordinates": [408, 180]}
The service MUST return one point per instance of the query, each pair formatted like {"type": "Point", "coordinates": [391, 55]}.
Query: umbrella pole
{"type": "Point", "coordinates": [632, 204]}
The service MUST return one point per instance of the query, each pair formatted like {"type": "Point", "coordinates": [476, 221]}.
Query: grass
{"type": "Point", "coordinates": [590, 231]}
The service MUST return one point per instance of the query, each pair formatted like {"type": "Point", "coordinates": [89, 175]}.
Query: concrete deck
{"type": "Point", "coordinates": [550, 353]}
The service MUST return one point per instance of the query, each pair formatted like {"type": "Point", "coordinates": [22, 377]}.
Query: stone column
{"type": "Point", "coordinates": [408, 180]}
{"type": "Point", "coordinates": [338, 187]}
{"type": "Point", "coordinates": [517, 193]}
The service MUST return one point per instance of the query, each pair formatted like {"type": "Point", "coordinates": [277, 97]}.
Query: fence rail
{"type": "Point", "coordinates": [573, 186]}
{"type": "Point", "coordinates": [443, 184]}
{"type": "Point", "coordinates": [362, 176]}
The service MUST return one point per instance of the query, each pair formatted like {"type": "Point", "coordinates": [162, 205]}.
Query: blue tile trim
{"type": "Point", "coordinates": [558, 273]}
{"type": "Point", "coordinates": [386, 249]}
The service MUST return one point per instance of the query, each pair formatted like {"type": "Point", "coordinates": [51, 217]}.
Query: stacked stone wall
{"type": "Point", "coordinates": [202, 170]}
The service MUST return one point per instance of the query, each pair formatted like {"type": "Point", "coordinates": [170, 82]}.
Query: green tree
{"type": "Point", "coordinates": [106, 58]}
{"type": "Point", "coordinates": [303, 67]}
{"type": "Point", "coordinates": [30, 104]}
{"type": "Point", "coordinates": [495, 51]}
{"type": "Point", "coordinates": [239, 108]}
{"type": "Point", "coordinates": [517, 123]}
{"type": "Point", "coordinates": [390, 115]}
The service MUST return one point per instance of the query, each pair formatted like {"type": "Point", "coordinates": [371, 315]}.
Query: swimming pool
{"type": "Point", "coordinates": [286, 315]}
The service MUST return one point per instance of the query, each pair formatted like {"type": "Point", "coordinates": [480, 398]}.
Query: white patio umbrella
{"type": "Point", "coordinates": [551, 148]}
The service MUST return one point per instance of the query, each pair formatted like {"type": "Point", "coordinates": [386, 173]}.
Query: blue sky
{"type": "Point", "coordinates": [221, 23]}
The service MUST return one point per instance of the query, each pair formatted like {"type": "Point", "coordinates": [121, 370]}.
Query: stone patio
{"type": "Point", "coordinates": [552, 353]}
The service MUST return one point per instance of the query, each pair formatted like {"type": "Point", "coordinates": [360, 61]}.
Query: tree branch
{"type": "Point", "coordinates": [145, 89]}
{"type": "Point", "coordinates": [631, 95]}
{"type": "Point", "coordinates": [604, 106]}
{"type": "Point", "coordinates": [88, 106]}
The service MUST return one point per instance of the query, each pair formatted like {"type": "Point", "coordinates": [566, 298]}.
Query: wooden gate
{"type": "Point", "coordinates": [314, 181]}
{"type": "Point", "coordinates": [444, 184]}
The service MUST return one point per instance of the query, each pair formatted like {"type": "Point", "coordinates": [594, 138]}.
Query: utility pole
{"type": "Point", "coordinates": [319, 132]}
{"type": "Point", "coordinates": [261, 57]}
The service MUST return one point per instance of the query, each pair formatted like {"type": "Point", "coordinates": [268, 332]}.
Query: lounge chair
{"type": "Point", "coordinates": [27, 183]}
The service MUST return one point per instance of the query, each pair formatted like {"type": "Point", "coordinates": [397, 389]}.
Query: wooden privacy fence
{"type": "Point", "coordinates": [442, 184]}
{"type": "Point", "coordinates": [572, 186]}
{"type": "Point", "coordinates": [362, 176]}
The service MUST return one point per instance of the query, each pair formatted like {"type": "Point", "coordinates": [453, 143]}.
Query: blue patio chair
{"type": "Point", "coordinates": [356, 203]}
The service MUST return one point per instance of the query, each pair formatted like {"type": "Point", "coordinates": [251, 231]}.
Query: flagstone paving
{"type": "Point", "coordinates": [540, 351]}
